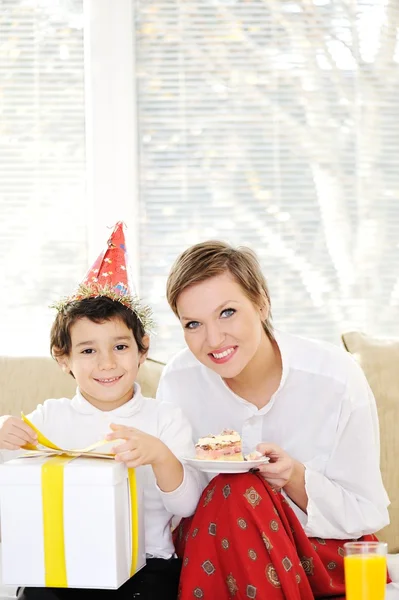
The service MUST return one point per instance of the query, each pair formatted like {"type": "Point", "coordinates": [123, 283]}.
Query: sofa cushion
{"type": "Point", "coordinates": [26, 382]}
{"type": "Point", "coordinates": [379, 360]}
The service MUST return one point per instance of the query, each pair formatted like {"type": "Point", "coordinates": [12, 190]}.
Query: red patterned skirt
{"type": "Point", "coordinates": [245, 541]}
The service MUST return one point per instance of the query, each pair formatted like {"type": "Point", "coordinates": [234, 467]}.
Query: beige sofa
{"type": "Point", "coordinates": [24, 382]}
{"type": "Point", "coordinates": [27, 381]}
{"type": "Point", "coordinates": [379, 360]}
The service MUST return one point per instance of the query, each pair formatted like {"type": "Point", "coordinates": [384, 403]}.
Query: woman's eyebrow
{"type": "Point", "coordinates": [216, 309]}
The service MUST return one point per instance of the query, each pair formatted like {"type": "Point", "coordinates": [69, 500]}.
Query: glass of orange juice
{"type": "Point", "coordinates": [365, 566]}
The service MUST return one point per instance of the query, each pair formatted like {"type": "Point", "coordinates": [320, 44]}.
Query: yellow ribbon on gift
{"type": "Point", "coordinates": [53, 507]}
{"type": "Point", "coordinates": [53, 521]}
{"type": "Point", "coordinates": [43, 441]}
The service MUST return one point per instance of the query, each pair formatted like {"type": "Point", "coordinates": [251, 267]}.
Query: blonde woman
{"type": "Point", "coordinates": [306, 405]}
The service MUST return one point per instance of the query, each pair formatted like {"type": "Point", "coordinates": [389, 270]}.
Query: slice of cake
{"type": "Point", "coordinates": [225, 446]}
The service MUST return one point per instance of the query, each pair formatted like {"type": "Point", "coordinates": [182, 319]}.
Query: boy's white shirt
{"type": "Point", "coordinates": [76, 423]}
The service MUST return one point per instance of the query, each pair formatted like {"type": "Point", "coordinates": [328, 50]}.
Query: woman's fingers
{"type": "Point", "coordinates": [276, 468]}
{"type": "Point", "coordinates": [275, 453]}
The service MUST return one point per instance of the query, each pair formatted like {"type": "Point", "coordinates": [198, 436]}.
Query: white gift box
{"type": "Point", "coordinates": [91, 528]}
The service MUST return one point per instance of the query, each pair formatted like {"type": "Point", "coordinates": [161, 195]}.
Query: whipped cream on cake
{"type": "Point", "coordinates": [224, 446]}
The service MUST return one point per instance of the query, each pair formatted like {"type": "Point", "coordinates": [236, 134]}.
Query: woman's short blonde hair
{"type": "Point", "coordinates": [209, 259]}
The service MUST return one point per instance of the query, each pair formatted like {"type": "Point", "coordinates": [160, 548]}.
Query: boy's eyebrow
{"type": "Point", "coordinates": [216, 309]}
{"type": "Point", "coordinates": [88, 343]}
{"type": "Point", "coordinates": [120, 338]}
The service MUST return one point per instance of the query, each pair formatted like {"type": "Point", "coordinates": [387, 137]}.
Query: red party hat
{"type": "Point", "coordinates": [110, 276]}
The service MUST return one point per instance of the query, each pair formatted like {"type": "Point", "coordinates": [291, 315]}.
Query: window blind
{"type": "Point", "coordinates": [275, 125]}
{"type": "Point", "coordinates": [42, 156]}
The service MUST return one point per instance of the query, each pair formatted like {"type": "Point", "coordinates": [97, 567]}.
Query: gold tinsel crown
{"type": "Point", "coordinates": [142, 311]}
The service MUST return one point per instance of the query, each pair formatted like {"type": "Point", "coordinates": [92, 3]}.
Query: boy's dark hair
{"type": "Point", "coordinates": [97, 310]}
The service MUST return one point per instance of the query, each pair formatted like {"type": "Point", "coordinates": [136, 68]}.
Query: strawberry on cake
{"type": "Point", "coordinates": [225, 446]}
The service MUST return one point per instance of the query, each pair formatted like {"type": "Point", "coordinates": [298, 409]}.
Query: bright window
{"type": "Point", "coordinates": [272, 124]}
{"type": "Point", "coordinates": [42, 153]}
{"type": "Point", "coordinates": [275, 124]}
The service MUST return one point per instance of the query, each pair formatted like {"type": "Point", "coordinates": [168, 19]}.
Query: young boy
{"type": "Point", "coordinates": [99, 337]}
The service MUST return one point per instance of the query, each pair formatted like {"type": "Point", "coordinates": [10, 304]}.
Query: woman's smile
{"type": "Point", "coordinates": [223, 355]}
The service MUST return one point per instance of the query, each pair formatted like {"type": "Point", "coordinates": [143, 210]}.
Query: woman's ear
{"type": "Point", "coordinates": [146, 344]}
{"type": "Point", "coordinates": [264, 308]}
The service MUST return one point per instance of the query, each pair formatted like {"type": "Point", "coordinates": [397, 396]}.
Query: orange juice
{"type": "Point", "coordinates": [365, 576]}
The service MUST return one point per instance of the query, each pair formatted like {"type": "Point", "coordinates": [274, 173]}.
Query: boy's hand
{"type": "Point", "coordinates": [139, 449]}
{"type": "Point", "coordinates": [14, 433]}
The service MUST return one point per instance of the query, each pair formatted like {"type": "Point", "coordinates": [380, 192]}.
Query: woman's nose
{"type": "Point", "coordinates": [215, 336]}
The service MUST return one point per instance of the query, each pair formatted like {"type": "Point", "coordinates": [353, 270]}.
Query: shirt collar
{"type": "Point", "coordinates": [285, 347]}
{"type": "Point", "coordinates": [131, 407]}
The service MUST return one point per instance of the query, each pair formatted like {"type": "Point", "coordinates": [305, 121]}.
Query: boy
{"type": "Point", "coordinates": [99, 337]}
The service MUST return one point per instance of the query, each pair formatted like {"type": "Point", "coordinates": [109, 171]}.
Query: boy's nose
{"type": "Point", "coordinates": [106, 362]}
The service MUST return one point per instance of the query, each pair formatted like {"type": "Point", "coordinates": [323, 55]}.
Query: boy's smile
{"type": "Point", "coordinates": [104, 359]}
{"type": "Point", "coordinates": [109, 381]}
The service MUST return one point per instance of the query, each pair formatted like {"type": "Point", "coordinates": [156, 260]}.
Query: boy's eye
{"type": "Point", "coordinates": [192, 325]}
{"type": "Point", "coordinates": [121, 347]}
{"type": "Point", "coordinates": [88, 351]}
{"type": "Point", "coordinates": [227, 312]}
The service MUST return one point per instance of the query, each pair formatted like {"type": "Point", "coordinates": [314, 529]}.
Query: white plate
{"type": "Point", "coordinates": [226, 466]}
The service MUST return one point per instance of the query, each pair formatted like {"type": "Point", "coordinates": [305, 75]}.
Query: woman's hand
{"type": "Point", "coordinates": [14, 433]}
{"type": "Point", "coordinates": [278, 472]}
{"type": "Point", "coordinates": [284, 472]}
{"type": "Point", "coordinates": [139, 448]}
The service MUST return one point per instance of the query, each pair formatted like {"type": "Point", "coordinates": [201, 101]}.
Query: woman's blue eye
{"type": "Point", "coordinates": [192, 325]}
{"type": "Point", "coordinates": [227, 312]}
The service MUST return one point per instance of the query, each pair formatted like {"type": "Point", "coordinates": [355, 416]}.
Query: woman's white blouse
{"type": "Point", "coordinates": [323, 414]}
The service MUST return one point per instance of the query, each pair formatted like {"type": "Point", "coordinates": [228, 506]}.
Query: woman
{"type": "Point", "coordinates": [306, 405]}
